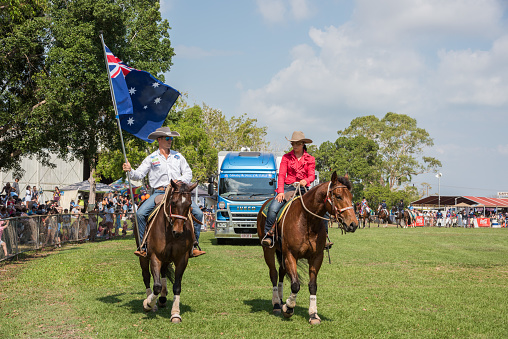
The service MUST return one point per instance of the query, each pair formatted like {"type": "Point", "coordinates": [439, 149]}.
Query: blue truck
{"type": "Point", "coordinates": [245, 181]}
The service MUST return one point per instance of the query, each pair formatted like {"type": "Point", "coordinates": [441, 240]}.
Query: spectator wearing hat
{"type": "Point", "coordinates": [162, 166]}
{"type": "Point", "coordinates": [296, 167]}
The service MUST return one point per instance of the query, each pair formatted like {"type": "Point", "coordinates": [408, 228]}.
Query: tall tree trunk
{"type": "Point", "coordinates": [91, 196]}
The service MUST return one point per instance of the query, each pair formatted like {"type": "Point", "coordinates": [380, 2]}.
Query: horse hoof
{"type": "Point", "coordinates": [287, 312]}
{"type": "Point", "coordinates": [314, 319]}
{"type": "Point", "coordinates": [276, 309]}
{"type": "Point", "coordinates": [162, 302]}
{"type": "Point", "coordinates": [146, 306]}
{"type": "Point", "coordinates": [176, 319]}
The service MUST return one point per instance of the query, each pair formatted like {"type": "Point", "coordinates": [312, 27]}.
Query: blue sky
{"type": "Point", "coordinates": [316, 65]}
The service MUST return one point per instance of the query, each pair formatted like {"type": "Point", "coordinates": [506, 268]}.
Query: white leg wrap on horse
{"type": "Point", "coordinates": [176, 305]}
{"type": "Point", "coordinates": [148, 292]}
{"type": "Point", "coordinates": [291, 301]}
{"type": "Point", "coordinates": [312, 305]}
{"type": "Point", "coordinates": [152, 298]}
{"type": "Point", "coordinates": [275, 295]}
{"type": "Point", "coordinates": [281, 285]}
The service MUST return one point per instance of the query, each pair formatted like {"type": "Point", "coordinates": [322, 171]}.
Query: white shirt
{"type": "Point", "coordinates": [162, 170]}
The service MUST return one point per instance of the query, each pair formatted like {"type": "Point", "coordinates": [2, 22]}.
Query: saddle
{"type": "Point", "coordinates": [282, 210]}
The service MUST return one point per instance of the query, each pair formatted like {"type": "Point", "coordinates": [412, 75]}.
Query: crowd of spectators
{"type": "Point", "coordinates": [39, 224]}
{"type": "Point", "coordinates": [462, 218]}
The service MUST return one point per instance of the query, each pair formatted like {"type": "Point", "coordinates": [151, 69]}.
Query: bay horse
{"type": "Point", "coordinates": [170, 239]}
{"type": "Point", "coordinates": [383, 215]}
{"type": "Point", "coordinates": [364, 216]}
{"type": "Point", "coordinates": [403, 215]}
{"type": "Point", "coordinates": [302, 235]}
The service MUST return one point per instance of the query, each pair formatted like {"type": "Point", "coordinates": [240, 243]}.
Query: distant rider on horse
{"type": "Point", "coordinates": [382, 207]}
{"type": "Point", "coordinates": [162, 166]}
{"type": "Point", "coordinates": [364, 206]}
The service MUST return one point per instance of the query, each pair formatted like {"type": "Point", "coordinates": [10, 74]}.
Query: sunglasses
{"type": "Point", "coordinates": [293, 143]}
{"type": "Point", "coordinates": [168, 138]}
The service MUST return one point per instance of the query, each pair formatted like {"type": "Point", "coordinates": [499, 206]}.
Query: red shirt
{"type": "Point", "coordinates": [293, 170]}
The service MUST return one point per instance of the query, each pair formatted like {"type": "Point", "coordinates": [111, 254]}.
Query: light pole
{"type": "Point", "coordinates": [438, 176]}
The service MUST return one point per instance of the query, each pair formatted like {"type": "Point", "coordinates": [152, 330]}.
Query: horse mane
{"type": "Point", "coordinates": [345, 181]}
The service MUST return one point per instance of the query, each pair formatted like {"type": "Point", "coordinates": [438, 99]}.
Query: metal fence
{"type": "Point", "coordinates": [30, 233]}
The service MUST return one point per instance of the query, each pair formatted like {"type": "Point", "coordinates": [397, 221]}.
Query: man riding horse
{"type": "Point", "coordinates": [162, 166]}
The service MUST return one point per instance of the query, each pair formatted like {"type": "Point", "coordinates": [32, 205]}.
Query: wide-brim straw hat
{"type": "Point", "coordinates": [299, 136]}
{"type": "Point", "coordinates": [163, 132]}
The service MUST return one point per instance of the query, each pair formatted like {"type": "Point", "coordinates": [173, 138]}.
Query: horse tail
{"type": "Point", "coordinates": [278, 254]}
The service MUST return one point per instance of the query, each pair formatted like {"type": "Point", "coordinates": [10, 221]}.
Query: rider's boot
{"type": "Point", "coordinates": [196, 250]}
{"type": "Point", "coordinates": [268, 238]}
{"type": "Point", "coordinates": [141, 252]}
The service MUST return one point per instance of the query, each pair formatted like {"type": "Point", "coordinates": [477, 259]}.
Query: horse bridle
{"type": "Point", "coordinates": [336, 212]}
{"type": "Point", "coordinates": [171, 216]}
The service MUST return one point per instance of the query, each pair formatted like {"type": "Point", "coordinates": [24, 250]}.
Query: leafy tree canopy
{"type": "Point", "coordinates": [55, 96]}
{"type": "Point", "coordinates": [401, 144]}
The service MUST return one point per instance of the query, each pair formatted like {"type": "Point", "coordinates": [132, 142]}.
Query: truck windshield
{"type": "Point", "coordinates": [246, 188]}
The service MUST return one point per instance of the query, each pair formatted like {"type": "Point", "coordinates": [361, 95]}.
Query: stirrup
{"type": "Point", "coordinates": [268, 240]}
{"type": "Point", "coordinates": [140, 253]}
{"type": "Point", "coordinates": [328, 245]}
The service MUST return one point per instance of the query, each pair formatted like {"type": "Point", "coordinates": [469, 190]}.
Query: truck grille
{"type": "Point", "coordinates": [249, 230]}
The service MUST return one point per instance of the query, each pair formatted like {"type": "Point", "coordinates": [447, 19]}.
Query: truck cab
{"type": "Point", "coordinates": [245, 181]}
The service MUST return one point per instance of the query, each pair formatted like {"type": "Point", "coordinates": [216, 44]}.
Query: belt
{"type": "Point", "coordinates": [161, 188]}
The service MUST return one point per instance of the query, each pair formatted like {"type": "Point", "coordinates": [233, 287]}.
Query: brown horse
{"type": "Point", "coordinates": [403, 215]}
{"type": "Point", "coordinates": [302, 235]}
{"type": "Point", "coordinates": [365, 216]}
{"type": "Point", "coordinates": [170, 239]}
{"type": "Point", "coordinates": [383, 215]}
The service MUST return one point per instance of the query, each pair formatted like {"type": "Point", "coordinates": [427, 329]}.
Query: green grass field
{"type": "Point", "coordinates": [383, 282]}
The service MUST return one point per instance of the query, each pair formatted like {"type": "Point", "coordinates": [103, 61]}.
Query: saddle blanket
{"type": "Point", "coordinates": [281, 211]}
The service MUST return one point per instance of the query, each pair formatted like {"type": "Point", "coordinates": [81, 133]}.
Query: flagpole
{"type": "Point", "coordinates": [134, 207]}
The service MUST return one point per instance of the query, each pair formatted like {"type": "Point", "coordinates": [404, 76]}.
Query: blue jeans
{"type": "Point", "coordinates": [147, 207]}
{"type": "Point", "coordinates": [275, 206]}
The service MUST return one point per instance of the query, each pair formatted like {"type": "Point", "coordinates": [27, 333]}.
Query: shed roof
{"type": "Point", "coordinates": [452, 200]}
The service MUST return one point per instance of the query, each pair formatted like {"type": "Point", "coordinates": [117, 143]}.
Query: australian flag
{"type": "Point", "coordinates": [143, 102]}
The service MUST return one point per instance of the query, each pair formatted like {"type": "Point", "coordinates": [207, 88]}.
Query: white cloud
{"type": "Point", "coordinates": [272, 10]}
{"type": "Point", "coordinates": [278, 11]}
{"type": "Point", "coordinates": [474, 77]}
{"type": "Point", "coordinates": [391, 20]}
{"type": "Point", "coordinates": [343, 73]}
{"type": "Point", "coordinates": [502, 149]}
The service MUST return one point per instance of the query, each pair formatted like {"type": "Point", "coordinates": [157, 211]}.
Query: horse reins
{"type": "Point", "coordinates": [168, 216]}
{"type": "Point", "coordinates": [337, 212]}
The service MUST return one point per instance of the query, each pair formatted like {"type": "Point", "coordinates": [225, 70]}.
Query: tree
{"type": "Point", "coordinates": [234, 134]}
{"type": "Point", "coordinates": [357, 156]}
{"type": "Point", "coordinates": [21, 57]}
{"type": "Point", "coordinates": [72, 114]}
{"type": "Point", "coordinates": [401, 144]}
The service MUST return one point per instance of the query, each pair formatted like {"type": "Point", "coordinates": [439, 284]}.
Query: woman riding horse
{"type": "Point", "coordinates": [303, 236]}
{"type": "Point", "coordinates": [297, 167]}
